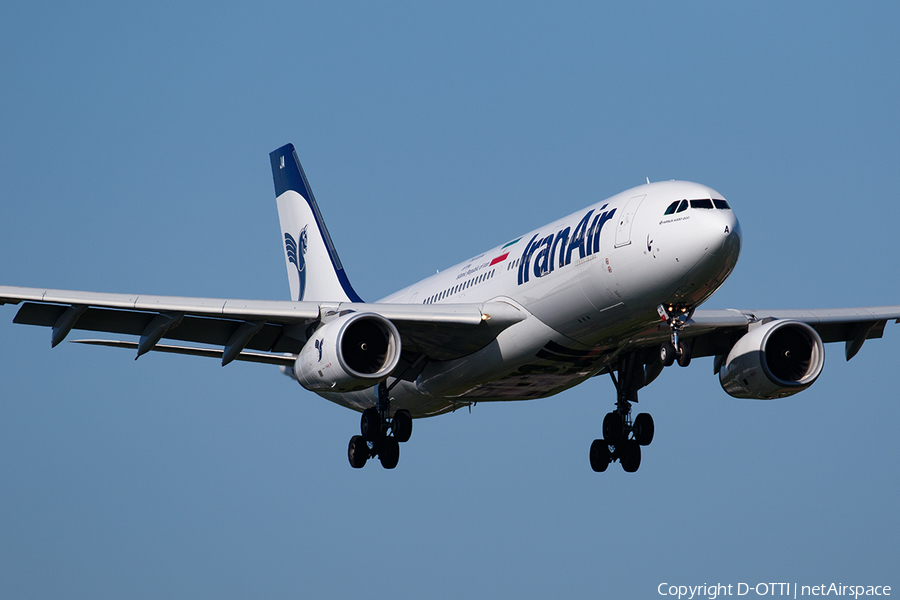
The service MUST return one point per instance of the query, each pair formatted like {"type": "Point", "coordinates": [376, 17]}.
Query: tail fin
{"type": "Point", "coordinates": [314, 269]}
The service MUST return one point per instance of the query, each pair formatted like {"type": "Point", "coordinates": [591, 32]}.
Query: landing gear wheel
{"type": "Point", "coordinates": [643, 429]}
{"type": "Point", "coordinates": [402, 425]}
{"type": "Point", "coordinates": [390, 453]}
{"type": "Point", "coordinates": [600, 456]}
{"type": "Point", "coordinates": [631, 456]}
{"type": "Point", "coordinates": [370, 425]}
{"type": "Point", "coordinates": [613, 428]}
{"type": "Point", "coordinates": [684, 354]}
{"type": "Point", "coordinates": [667, 354]}
{"type": "Point", "coordinates": [358, 452]}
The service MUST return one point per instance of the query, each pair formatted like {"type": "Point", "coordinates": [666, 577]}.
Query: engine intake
{"type": "Point", "coordinates": [774, 360]}
{"type": "Point", "coordinates": [352, 352]}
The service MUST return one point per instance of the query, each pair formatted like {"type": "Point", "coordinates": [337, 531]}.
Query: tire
{"type": "Point", "coordinates": [667, 354]}
{"type": "Point", "coordinates": [631, 456]}
{"type": "Point", "coordinates": [370, 425]}
{"type": "Point", "coordinates": [358, 452]}
{"type": "Point", "coordinates": [643, 429]}
{"type": "Point", "coordinates": [402, 425]}
{"type": "Point", "coordinates": [613, 428]}
{"type": "Point", "coordinates": [684, 354]}
{"type": "Point", "coordinates": [600, 456]}
{"type": "Point", "coordinates": [389, 453]}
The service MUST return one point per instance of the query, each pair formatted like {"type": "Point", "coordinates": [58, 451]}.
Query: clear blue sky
{"type": "Point", "coordinates": [133, 158]}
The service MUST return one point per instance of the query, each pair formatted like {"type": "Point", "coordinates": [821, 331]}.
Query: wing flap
{"type": "Point", "coordinates": [201, 330]}
{"type": "Point", "coordinates": [271, 359]}
{"type": "Point", "coordinates": [440, 332]}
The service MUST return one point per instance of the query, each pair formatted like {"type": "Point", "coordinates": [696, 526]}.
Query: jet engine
{"type": "Point", "coordinates": [353, 352]}
{"type": "Point", "coordinates": [774, 360]}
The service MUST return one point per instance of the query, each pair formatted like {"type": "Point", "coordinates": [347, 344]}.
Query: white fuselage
{"type": "Point", "coordinates": [588, 283]}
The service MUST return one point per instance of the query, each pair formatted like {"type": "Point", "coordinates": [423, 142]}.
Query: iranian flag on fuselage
{"type": "Point", "coordinates": [505, 255]}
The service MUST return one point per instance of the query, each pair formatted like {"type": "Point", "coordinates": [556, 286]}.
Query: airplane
{"type": "Point", "coordinates": [612, 289]}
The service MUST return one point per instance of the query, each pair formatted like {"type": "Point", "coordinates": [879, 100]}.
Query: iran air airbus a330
{"type": "Point", "coordinates": [612, 289]}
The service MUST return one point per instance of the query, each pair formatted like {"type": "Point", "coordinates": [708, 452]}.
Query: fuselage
{"type": "Point", "coordinates": [588, 282]}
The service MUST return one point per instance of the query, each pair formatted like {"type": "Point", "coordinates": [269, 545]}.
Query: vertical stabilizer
{"type": "Point", "coordinates": [314, 269]}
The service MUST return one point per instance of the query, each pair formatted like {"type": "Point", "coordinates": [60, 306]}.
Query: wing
{"type": "Point", "coordinates": [251, 330]}
{"type": "Point", "coordinates": [714, 332]}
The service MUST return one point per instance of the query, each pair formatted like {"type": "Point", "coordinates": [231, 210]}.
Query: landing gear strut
{"type": "Point", "coordinates": [380, 435]}
{"type": "Point", "coordinates": [622, 436]}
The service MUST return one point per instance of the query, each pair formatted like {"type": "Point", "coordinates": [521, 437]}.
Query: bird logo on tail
{"type": "Point", "coordinates": [296, 254]}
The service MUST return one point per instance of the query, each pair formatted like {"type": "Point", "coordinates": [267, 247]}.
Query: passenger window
{"type": "Point", "coordinates": [682, 207]}
{"type": "Point", "coordinates": [672, 207]}
{"type": "Point", "coordinates": [721, 205]}
{"type": "Point", "coordinates": [702, 203]}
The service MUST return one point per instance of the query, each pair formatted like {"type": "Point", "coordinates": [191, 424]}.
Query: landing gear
{"type": "Point", "coordinates": [402, 425]}
{"type": "Point", "coordinates": [667, 354]}
{"type": "Point", "coordinates": [389, 452]}
{"type": "Point", "coordinates": [370, 425]}
{"type": "Point", "coordinates": [380, 435]}
{"type": "Point", "coordinates": [643, 429]}
{"type": "Point", "coordinates": [684, 353]}
{"type": "Point", "coordinates": [600, 456]}
{"type": "Point", "coordinates": [627, 453]}
{"type": "Point", "coordinates": [676, 348]}
{"type": "Point", "coordinates": [622, 437]}
{"type": "Point", "coordinates": [614, 426]}
{"type": "Point", "coordinates": [631, 456]}
{"type": "Point", "coordinates": [358, 452]}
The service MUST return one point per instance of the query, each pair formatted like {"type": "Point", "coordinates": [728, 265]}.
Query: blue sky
{"type": "Point", "coordinates": [133, 158]}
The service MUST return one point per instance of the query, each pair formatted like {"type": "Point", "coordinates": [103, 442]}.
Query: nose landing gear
{"type": "Point", "coordinates": [676, 349]}
{"type": "Point", "coordinates": [380, 435]}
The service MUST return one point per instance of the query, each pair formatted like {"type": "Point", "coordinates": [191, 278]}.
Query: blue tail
{"type": "Point", "coordinates": [314, 270]}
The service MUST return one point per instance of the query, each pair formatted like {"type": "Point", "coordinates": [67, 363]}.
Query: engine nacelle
{"type": "Point", "coordinates": [774, 360]}
{"type": "Point", "coordinates": [353, 352]}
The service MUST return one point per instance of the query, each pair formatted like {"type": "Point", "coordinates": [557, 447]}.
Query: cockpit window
{"type": "Point", "coordinates": [704, 203]}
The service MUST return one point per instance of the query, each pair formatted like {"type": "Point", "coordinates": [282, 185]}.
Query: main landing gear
{"type": "Point", "coordinates": [375, 440]}
{"type": "Point", "coordinates": [622, 436]}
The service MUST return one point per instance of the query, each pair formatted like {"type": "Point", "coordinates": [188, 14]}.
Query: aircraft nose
{"type": "Point", "coordinates": [720, 239]}
{"type": "Point", "coordinates": [723, 234]}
